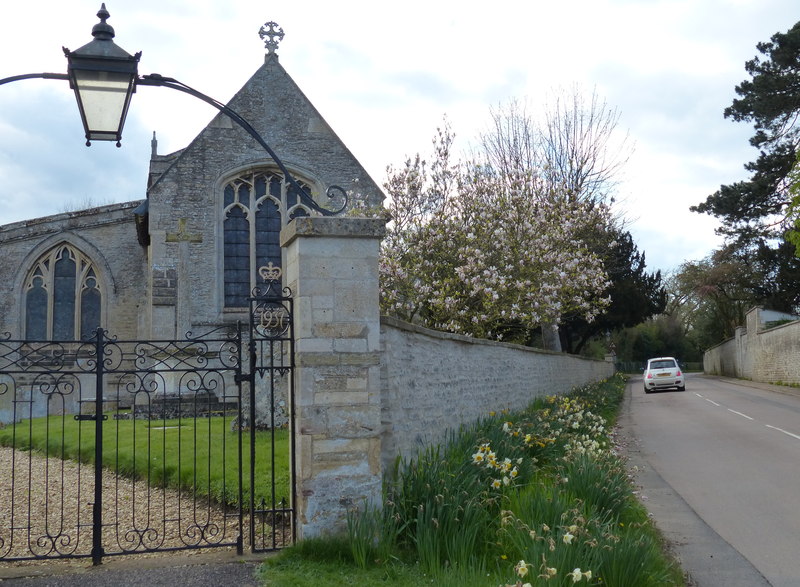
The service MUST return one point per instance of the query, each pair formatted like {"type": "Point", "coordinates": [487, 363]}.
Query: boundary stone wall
{"type": "Point", "coordinates": [432, 382]}
{"type": "Point", "coordinates": [757, 352]}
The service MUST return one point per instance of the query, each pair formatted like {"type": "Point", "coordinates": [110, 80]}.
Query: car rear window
{"type": "Point", "coordinates": [670, 364]}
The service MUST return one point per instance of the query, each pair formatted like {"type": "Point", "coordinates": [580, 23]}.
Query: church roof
{"type": "Point", "coordinates": [280, 112]}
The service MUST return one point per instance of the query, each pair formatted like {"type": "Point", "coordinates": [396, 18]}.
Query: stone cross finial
{"type": "Point", "coordinates": [272, 35]}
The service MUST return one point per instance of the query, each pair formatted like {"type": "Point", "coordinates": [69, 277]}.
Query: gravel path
{"type": "Point", "coordinates": [48, 510]}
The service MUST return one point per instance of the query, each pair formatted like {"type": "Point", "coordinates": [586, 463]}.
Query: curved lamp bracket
{"type": "Point", "coordinates": [334, 192]}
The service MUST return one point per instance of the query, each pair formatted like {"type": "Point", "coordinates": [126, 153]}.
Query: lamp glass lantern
{"type": "Point", "coordinates": [103, 76]}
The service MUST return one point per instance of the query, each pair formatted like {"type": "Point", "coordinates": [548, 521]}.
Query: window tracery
{"type": "Point", "coordinates": [255, 206]}
{"type": "Point", "coordinates": [62, 296]}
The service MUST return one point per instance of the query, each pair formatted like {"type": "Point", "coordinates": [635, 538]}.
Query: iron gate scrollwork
{"type": "Point", "coordinates": [151, 445]}
{"type": "Point", "coordinates": [271, 355]}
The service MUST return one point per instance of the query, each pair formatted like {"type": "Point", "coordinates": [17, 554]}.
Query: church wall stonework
{"type": "Point", "coordinates": [186, 196]}
{"type": "Point", "coordinates": [107, 235]}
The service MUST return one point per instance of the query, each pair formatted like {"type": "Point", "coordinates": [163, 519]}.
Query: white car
{"type": "Point", "coordinates": [663, 372]}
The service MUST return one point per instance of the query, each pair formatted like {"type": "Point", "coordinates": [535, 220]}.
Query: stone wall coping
{"type": "Point", "coordinates": [333, 226]}
{"type": "Point", "coordinates": [409, 327]}
{"type": "Point", "coordinates": [792, 324]}
{"type": "Point", "coordinates": [99, 216]}
{"type": "Point", "coordinates": [720, 344]}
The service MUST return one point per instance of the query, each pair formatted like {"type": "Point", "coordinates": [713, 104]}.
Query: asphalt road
{"type": "Point", "coordinates": [719, 467]}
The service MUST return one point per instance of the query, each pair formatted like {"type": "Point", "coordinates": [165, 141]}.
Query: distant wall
{"type": "Point", "coordinates": [757, 352]}
{"type": "Point", "coordinates": [434, 381]}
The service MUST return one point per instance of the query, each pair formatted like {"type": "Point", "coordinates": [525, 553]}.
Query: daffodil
{"type": "Point", "coordinates": [521, 568]}
{"type": "Point", "coordinates": [576, 575]}
{"type": "Point", "coordinates": [568, 538]}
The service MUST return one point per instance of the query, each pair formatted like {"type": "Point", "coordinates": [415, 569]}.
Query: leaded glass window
{"type": "Point", "coordinates": [62, 296]}
{"type": "Point", "coordinates": [255, 206]}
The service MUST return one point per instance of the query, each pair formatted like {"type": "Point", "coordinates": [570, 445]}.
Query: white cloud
{"type": "Point", "coordinates": [384, 76]}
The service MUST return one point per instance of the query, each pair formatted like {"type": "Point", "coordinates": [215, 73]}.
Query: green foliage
{"type": "Point", "coordinates": [316, 562]}
{"type": "Point", "coordinates": [193, 455]}
{"type": "Point", "coordinates": [760, 215]}
{"type": "Point", "coordinates": [708, 299]}
{"type": "Point", "coordinates": [600, 483]}
{"type": "Point", "coordinates": [770, 99]}
{"type": "Point", "coordinates": [635, 294]}
{"type": "Point", "coordinates": [636, 560]}
{"type": "Point", "coordinates": [793, 210]}
{"type": "Point", "coordinates": [534, 495]}
{"type": "Point", "coordinates": [663, 336]}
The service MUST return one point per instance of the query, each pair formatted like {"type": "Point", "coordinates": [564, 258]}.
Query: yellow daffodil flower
{"type": "Point", "coordinates": [521, 568]}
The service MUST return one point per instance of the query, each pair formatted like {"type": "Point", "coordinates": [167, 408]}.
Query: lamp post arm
{"type": "Point", "coordinates": [155, 79]}
{"type": "Point", "coordinates": [16, 78]}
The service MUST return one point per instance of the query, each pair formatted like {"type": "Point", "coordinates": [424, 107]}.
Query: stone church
{"type": "Point", "coordinates": [185, 257]}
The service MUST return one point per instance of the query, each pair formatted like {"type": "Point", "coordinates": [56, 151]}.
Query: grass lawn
{"type": "Point", "coordinates": [199, 455]}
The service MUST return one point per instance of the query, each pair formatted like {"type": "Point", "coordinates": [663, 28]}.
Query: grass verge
{"type": "Point", "coordinates": [536, 497]}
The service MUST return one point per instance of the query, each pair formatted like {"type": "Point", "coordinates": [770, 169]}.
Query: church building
{"type": "Point", "coordinates": [185, 257]}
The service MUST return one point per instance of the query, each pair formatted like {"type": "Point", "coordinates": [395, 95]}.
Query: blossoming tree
{"type": "Point", "coordinates": [493, 255]}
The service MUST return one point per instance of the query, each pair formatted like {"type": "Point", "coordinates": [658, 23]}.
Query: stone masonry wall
{"type": "Point", "coordinates": [332, 269]}
{"type": "Point", "coordinates": [722, 359]}
{"type": "Point", "coordinates": [433, 381]}
{"type": "Point", "coordinates": [107, 235]}
{"type": "Point", "coordinates": [770, 356]}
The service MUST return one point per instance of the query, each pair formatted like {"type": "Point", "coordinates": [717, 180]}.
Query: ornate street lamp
{"type": "Point", "coordinates": [105, 76]}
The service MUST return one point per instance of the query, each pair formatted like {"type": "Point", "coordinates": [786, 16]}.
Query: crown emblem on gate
{"type": "Point", "coordinates": [269, 272]}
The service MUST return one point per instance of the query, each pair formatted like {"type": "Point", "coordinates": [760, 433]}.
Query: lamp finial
{"type": "Point", "coordinates": [102, 30]}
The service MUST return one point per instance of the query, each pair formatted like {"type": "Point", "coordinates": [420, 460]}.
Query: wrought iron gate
{"type": "Point", "coordinates": [112, 447]}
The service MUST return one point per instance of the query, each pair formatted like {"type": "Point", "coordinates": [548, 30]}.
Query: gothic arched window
{"type": "Point", "coordinates": [255, 206]}
{"type": "Point", "coordinates": [62, 296]}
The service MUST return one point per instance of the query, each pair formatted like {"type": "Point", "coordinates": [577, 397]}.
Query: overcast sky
{"type": "Point", "coordinates": [384, 76]}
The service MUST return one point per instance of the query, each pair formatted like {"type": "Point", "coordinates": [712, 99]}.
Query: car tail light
{"type": "Point", "coordinates": [649, 375]}
{"type": "Point", "coordinates": [678, 374]}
